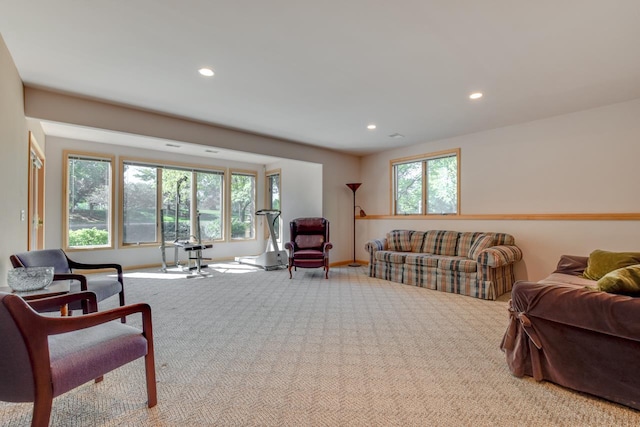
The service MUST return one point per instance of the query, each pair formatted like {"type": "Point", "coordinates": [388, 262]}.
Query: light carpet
{"type": "Point", "coordinates": [253, 348]}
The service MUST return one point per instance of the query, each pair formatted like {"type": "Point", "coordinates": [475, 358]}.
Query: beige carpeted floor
{"type": "Point", "coordinates": [253, 348]}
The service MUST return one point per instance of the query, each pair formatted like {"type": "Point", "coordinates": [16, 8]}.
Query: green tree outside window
{"type": "Point", "coordinates": [427, 184]}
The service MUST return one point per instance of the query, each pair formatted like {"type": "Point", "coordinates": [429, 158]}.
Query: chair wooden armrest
{"type": "Point", "coordinates": [60, 325]}
{"type": "Point", "coordinates": [72, 276]}
{"type": "Point", "coordinates": [85, 266]}
{"type": "Point", "coordinates": [88, 297]}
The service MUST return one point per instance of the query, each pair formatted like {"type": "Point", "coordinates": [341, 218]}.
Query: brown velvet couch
{"type": "Point", "coordinates": [581, 339]}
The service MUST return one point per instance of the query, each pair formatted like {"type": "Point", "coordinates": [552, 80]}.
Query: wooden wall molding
{"type": "Point", "coordinates": [630, 216]}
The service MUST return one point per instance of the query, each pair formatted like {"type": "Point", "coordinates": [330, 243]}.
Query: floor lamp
{"type": "Point", "coordinates": [354, 186]}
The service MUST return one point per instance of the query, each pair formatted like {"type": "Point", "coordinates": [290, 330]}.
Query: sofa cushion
{"type": "Point", "coordinates": [416, 240]}
{"type": "Point", "coordinates": [309, 254]}
{"type": "Point", "coordinates": [602, 262]}
{"type": "Point", "coordinates": [465, 240]}
{"type": "Point", "coordinates": [458, 264]}
{"type": "Point", "coordinates": [423, 260]}
{"type": "Point", "coordinates": [625, 281]}
{"type": "Point", "coordinates": [391, 256]}
{"type": "Point", "coordinates": [399, 240]}
{"type": "Point", "coordinates": [569, 280]}
{"type": "Point", "coordinates": [440, 242]}
{"type": "Point", "coordinates": [480, 244]}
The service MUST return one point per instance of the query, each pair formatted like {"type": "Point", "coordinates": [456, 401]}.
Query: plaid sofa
{"type": "Point", "coordinates": [476, 264]}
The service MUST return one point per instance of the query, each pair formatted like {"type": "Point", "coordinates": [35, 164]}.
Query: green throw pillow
{"type": "Point", "coordinates": [625, 281]}
{"type": "Point", "coordinates": [602, 262]}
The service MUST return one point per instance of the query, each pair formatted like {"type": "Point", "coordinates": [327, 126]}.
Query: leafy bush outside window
{"type": "Point", "coordinates": [88, 202]}
{"type": "Point", "coordinates": [243, 205]}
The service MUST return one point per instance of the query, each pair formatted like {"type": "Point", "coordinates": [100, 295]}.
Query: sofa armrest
{"type": "Point", "coordinates": [375, 245]}
{"type": "Point", "coordinates": [579, 307]}
{"type": "Point", "coordinates": [499, 256]}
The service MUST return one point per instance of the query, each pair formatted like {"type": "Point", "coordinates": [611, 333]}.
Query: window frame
{"type": "Point", "coordinates": [193, 169]}
{"type": "Point", "coordinates": [423, 159]}
{"type": "Point", "coordinates": [85, 155]}
{"type": "Point", "coordinates": [245, 172]}
{"type": "Point", "coordinates": [269, 200]}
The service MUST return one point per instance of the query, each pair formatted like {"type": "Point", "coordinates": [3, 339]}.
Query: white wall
{"type": "Point", "coordinates": [584, 162]}
{"type": "Point", "coordinates": [14, 161]}
{"type": "Point", "coordinates": [301, 183]}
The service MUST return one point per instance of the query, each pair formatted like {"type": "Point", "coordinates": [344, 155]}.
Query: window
{"type": "Point", "coordinates": [179, 197]}
{"type": "Point", "coordinates": [243, 205]}
{"type": "Point", "coordinates": [209, 196]}
{"type": "Point", "coordinates": [88, 216]}
{"type": "Point", "coordinates": [176, 204]}
{"type": "Point", "coordinates": [139, 205]}
{"type": "Point", "coordinates": [426, 184]}
{"type": "Point", "coordinates": [273, 197]}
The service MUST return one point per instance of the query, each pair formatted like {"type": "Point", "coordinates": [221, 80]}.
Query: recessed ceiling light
{"type": "Point", "coordinates": [476, 95]}
{"type": "Point", "coordinates": [371, 127]}
{"type": "Point", "coordinates": [207, 72]}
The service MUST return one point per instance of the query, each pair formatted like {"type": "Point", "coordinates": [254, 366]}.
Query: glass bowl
{"type": "Point", "coordinates": [29, 278]}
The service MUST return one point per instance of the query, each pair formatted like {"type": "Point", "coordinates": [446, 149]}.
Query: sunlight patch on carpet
{"type": "Point", "coordinates": [234, 268]}
{"type": "Point", "coordinates": [154, 275]}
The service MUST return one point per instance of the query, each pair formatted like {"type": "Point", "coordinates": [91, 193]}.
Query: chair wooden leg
{"type": "Point", "coordinates": [99, 379]}
{"type": "Point", "coordinates": [123, 319]}
{"type": "Point", "coordinates": [290, 271]}
{"type": "Point", "coordinates": [41, 411]}
{"type": "Point", "coordinates": [150, 370]}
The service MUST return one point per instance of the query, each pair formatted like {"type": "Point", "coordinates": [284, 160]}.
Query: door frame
{"type": "Point", "coordinates": [36, 192]}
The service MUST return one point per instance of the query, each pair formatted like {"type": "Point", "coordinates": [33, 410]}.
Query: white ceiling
{"type": "Point", "coordinates": [317, 72]}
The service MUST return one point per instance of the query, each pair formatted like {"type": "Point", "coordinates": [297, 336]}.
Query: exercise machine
{"type": "Point", "coordinates": [192, 248]}
{"type": "Point", "coordinates": [270, 259]}
{"type": "Point", "coordinates": [193, 245]}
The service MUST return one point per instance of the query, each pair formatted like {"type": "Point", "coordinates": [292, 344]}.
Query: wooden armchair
{"type": "Point", "coordinates": [64, 270]}
{"type": "Point", "coordinates": [45, 357]}
{"type": "Point", "coordinates": [309, 244]}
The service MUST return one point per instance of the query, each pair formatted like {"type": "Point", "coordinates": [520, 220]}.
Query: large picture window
{"type": "Point", "coordinates": [426, 184]}
{"type": "Point", "coordinates": [243, 205]}
{"type": "Point", "coordinates": [88, 201]}
{"type": "Point", "coordinates": [173, 200]}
